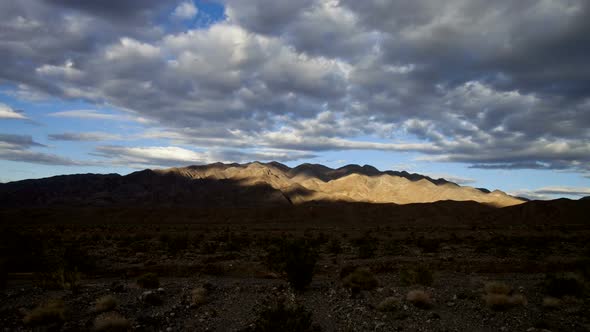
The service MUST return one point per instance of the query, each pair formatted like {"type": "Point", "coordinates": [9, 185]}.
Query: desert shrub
{"type": "Point", "coordinates": [366, 246]}
{"type": "Point", "coordinates": [111, 322]}
{"type": "Point", "coordinates": [421, 275]}
{"type": "Point", "coordinates": [148, 280]}
{"type": "Point", "coordinates": [283, 317]}
{"type": "Point", "coordinates": [559, 285]}
{"type": "Point", "coordinates": [76, 259]}
{"type": "Point", "coordinates": [551, 302]}
{"type": "Point", "coordinates": [503, 301]}
{"type": "Point", "coordinates": [389, 304]}
{"type": "Point", "coordinates": [296, 258]}
{"type": "Point", "coordinates": [360, 279]}
{"type": "Point", "coordinates": [419, 299]}
{"type": "Point", "coordinates": [334, 247]}
{"type": "Point", "coordinates": [51, 313]}
{"type": "Point", "coordinates": [392, 248]}
{"type": "Point", "coordinates": [60, 278]}
{"type": "Point", "coordinates": [209, 247]}
{"type": "Point", "coordinates": [428, 245]}
{"type": "Point", "coordinates": [495, 287]}
{"type": "Point", "coordinates": [499, 296]}
{"type": "Point", "coordinates": [198, 296]}
{"type": "Point", "coordinates": [106, 303]}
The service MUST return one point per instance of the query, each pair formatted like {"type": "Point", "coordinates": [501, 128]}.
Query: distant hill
{"type": "Point", "coordinates": [236, 185]}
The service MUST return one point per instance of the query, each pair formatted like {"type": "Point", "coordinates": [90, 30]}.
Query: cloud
{"type": "Point", "coordinates": [554, 192]}
{"type": "Point", "coordinates": [95, 115]}
{"type": "Point", "coordinates": [18, 148]}
{"type": "Point", "coordinates": [6, 112]}
{"type": "Point", "coordinates": [81, 137]}
{"type": "Point", "coordinates": [185, 10]}
{"type": "Point", "coordinates": [169, 156]}
{"type": "Point", "coordinates": [480, 83]}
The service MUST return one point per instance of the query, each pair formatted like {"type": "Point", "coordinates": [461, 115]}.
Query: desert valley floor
{"type": "Point", "coordinates": [445, 266]}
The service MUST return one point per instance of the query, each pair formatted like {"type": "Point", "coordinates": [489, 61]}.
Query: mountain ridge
{"type": "Point", "coordinates": [249, 184]}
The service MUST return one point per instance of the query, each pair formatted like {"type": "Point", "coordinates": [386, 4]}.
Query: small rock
{"type": "Point", "coordinates": [450, 304]}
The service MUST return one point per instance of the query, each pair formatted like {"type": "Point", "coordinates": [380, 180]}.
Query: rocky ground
{"type": "Point", "coordinates": [228, 266]}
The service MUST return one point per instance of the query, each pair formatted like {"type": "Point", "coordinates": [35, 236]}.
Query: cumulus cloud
{"type": "Point", "coordinates": [7, 112]}
{"type": "Point", "coordinates": [475, 82]}
{"type": "Point", "coordinates": [185, 10]}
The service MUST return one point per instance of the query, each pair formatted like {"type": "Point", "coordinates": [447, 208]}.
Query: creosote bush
{"type": "Point", "coordinates": [360, 279]}
{"type": "Point", "coordinates": [111, 322]}
{"type": "Point", "coordinates": [51, 313]}
{"type": "Point", "coordinates": [148, 280]}
{"type": "Point", "coordinates": [281, 316]}
{"type": "Point", "coordinates": [421, 275]}
{"type": "Point", "coordinates": [560, 285]}
{"type": "Point", "coordinates": [296, 258]}
{"type": "Point", "coordinates": [419, 298]}
{"type": "Point", "coordinates": [106, 303]}
{"type": "Point", "coordinates": [389, 304]}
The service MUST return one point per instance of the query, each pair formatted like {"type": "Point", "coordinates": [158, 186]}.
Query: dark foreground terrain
{"type": "Point", "coordinates": [444, 266]}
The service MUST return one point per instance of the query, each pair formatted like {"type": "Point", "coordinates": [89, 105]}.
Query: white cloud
{"type": "Point", "coordinates": [6, 112]}
{"type": "Point", "coordinates": [185, 10]}
{"type": "Point", "coordinates": [553, 192]}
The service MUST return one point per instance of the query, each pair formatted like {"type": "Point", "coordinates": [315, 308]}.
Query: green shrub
{"type": "Point", "coordinates": [296, 258]}
{"type": "Point", "coordinates": [51, 313]}
{"type": "Point", "coordinates": [283, 317]}
{"type": "Point", "coordinates": [428, 245]}
{"type": "Point", "coordinates": [360, 279]}
{"type": "Point", "coordinates": [559, 285]}
{"type": "Point", "coordinates": [366, 246]}
{"type": "Point", "coordinates": [418, 276]}
{"type": "Point", "coordinates": [148, 280]}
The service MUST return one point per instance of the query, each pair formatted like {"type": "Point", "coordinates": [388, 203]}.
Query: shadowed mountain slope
{"type": "Point", "coordinates": [243, 185]}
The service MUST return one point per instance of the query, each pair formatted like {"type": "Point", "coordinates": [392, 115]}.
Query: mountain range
{"type": "Point", "coordinates": [247, 185]}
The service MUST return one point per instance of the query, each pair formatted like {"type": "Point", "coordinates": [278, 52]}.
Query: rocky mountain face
{"type": "Point", "coordinates": [236, 185]}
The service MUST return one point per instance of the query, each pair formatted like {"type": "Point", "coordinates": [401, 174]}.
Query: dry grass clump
{"type": "Point", "coordinates": [198, 296]}
{"type": "Point", "coordinates": [360, 279]}
{"type": "Point", "coordinates": [106, 303]}
{"type": "Point", "coordinates": [419, 298]}
{"type": "Point", "coordinates": [148, 280]}
{"type": "Point", "coordinates": [50, 313]}
{"type": "Point", "coordinates": [550, 302]}
{"type": "Point", "coordinates": [389, 304]}
{"type": "Point", "coordinates": [111, 322]}
{"type": "Point", "coordinates": [499, 296]}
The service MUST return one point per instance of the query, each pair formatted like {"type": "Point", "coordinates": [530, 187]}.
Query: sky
{"type": "Point", "coordinates": [492, 94]}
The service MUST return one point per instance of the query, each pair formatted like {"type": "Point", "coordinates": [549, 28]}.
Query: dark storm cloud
{"type": "Point", "coordinates": [493, 84]}
{"type": "Point", "coordinates": [18, 148]}
{"type": "Point", "coordinates": [119, 9]}
{"type": "Point", "coordinates": [83, 137]}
